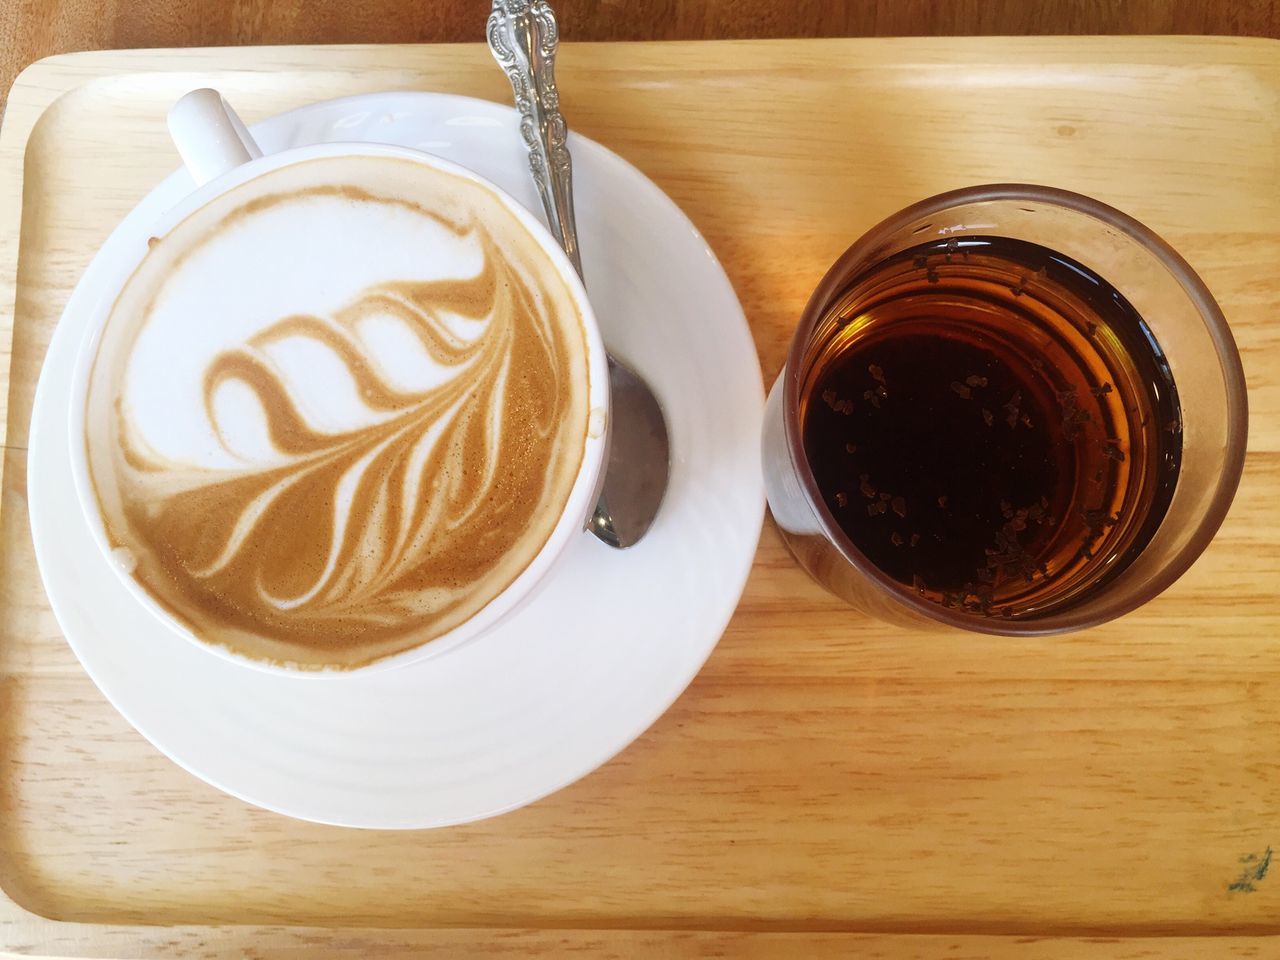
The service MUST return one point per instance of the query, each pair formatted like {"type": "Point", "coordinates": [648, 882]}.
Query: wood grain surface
{"type": "Point", "coordinates": [828, 786]}
{"type": "Point", "coordinates": [31, 29]}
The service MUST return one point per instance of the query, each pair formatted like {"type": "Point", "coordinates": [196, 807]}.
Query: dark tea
{"type": "Point", "coordinates": [991, 424]}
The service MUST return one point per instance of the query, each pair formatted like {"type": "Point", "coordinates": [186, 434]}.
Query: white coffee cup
{"type": "Point", "coordinates": [220, 155]}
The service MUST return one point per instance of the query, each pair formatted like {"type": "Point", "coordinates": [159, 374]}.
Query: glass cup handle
{"type": "Point", "coordinates": [210, 137]}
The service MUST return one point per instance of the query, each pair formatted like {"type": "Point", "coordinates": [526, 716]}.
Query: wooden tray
{"type": "Point", "coordinates": [828, 786]}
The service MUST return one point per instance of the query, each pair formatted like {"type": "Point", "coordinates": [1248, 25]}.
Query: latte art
{"type": "Point", "coordinates": [343, 448]}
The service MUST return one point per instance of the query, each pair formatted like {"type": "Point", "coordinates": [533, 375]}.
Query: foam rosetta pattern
{"type": "Point", "coordinates": [337, 410]}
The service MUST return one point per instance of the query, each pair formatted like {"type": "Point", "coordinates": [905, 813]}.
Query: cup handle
{"type": "Point", "coordinates": [210, 137]}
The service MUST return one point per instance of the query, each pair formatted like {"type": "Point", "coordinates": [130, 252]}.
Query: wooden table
{"type": "Point", "coordinates": [828, 787]}
{"type": "Point", "coordinates": [31, 29]}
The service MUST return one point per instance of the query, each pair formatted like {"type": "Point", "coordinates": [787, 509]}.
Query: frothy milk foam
{"type": "Point", "coordinates": [337, 410]}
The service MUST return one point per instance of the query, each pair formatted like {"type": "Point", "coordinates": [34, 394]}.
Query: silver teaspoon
{"type": "Point", "coordinates": [523, 39]}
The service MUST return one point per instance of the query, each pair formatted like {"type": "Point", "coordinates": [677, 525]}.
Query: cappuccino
{"type": "Point", "coordinates": [337, 410]}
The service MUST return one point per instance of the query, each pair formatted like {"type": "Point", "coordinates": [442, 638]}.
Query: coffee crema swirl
{"type": "Point", "coordinates": [316, 541]}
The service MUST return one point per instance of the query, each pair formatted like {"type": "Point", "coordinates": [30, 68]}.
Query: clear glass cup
{"type": "Point", "coordinates": [1182, 315]}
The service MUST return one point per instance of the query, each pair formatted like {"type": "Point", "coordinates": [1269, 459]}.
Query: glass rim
{"type": "Point", "coordinates": [1089, 613]}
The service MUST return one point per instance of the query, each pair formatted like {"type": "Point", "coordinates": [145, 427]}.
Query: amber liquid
{"type": "Point", "coordinates": [991, 424]}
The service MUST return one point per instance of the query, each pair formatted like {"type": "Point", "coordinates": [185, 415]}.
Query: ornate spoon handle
{"type": "Point", "coordinates": [523, 38]}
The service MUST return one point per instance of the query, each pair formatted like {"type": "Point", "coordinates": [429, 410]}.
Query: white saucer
{"type": "Point", "coordinates": [594, 659]}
